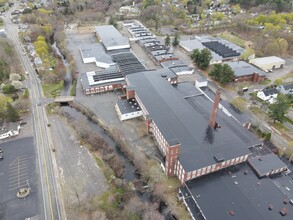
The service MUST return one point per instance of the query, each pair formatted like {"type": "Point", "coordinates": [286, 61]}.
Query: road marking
{"type": "Point", "coordinates": [45, 163]}
{"type": "Point", "coordinates": [18, 173]}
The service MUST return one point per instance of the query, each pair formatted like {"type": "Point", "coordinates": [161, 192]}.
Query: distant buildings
{"type": "Point", "coordinates": [286, 89]}
{"type": "Point", "coordinates": [268, 63]}
{"type": "Point", "coordinates": [246, 72]}
{"type": "Point", "coordinates": [220, 49]}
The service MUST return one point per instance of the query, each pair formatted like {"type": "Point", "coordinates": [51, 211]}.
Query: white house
{"type": "Point", "coordinates": [268, 95]}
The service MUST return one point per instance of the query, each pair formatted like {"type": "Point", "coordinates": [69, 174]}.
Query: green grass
{"type": "Point", "coordinates": [256, 110]}
{"type": "Point", "coordinates": [289, 120]}
{"type": "Point", "coordinates": [266, 82]}
{"type": "Point", "coordinates": [280, 127]}
{"type": "Point", "coordinates": [99, 162]}
{"type": "Point", "coordinates": [232, 38]}
{"type": "Point", "coordinates": [73, 88]}
{"type": "Point", "coordinates": [50, 107]}
{"type": "Point", "coordinates": [52, 90]}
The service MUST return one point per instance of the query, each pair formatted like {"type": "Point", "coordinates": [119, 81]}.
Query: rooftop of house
{"type": "Point", "coordinates": [242, 68]}
{"type": "Point", "coordinates": [187, 119]}
{"type": "Point", "coordinates": [272, 91]}
{"type": "Point", "coordinates": [237, 193]}
{"type": "Point", "coordinates": [111, 37]}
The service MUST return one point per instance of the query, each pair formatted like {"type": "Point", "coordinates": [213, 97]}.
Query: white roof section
{"type": "Point", "coordinates": [95, 53]}
{"type": "Point", "coordinates": [266, 60]}
{"type": "Point", "coordinates": [111, 38]}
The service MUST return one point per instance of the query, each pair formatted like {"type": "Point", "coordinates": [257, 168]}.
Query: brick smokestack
{"type": "Point", "coordinates": [213, 117]}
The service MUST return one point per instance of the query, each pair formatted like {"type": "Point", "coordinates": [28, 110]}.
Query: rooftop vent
{"type": "Point", "coordinates": [284, 211]}
{"type": "Point", "coordinates": [270, 207]}
{"type": "Point", "coordinates": [245, 172]}
{"type": "Point", "coordinates": [285, 201]}
{"type": "Point", "coordinates": [232, 212]}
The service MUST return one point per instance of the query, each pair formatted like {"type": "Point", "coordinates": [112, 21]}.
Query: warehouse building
{"type": "Point", "coordinates": [102, 81]}
{"type": "Point", "coordinates": [246, 72]}
{"type": "Point", "coordinates": [192, 143]}
{"type": "Point", "coordinates": [111, 38]}
{"type": "Point", "coordinates": [220, 49]}
{"type": "Point", "coordinates": [268, 63]}
{"type": "Point", "coordinates": [95, 53]}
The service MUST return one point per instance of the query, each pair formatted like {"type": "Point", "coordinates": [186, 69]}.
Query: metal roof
{"type": "Point", "coordinates": [97, 51]}
{"type": "Point", "coordinates": [187, 120]}
{"type": "Point", "coordinates": [242, 68]}
{"type": "Point", "coordinates": [239, 190]}
{"type": "Point", "coordinates": [111, 37]}
{"type": "Point", "coordinates": [266, 60]}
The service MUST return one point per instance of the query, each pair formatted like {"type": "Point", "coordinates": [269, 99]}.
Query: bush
{"type": "Point", "coordinates": [9, 89]}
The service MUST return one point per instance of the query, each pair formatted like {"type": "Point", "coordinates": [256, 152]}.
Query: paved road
{"type": "Point", "coordinates": [50, 198]}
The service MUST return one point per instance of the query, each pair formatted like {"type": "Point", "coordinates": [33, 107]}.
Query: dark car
{"type": "Point", "coordinates": [1, 153]}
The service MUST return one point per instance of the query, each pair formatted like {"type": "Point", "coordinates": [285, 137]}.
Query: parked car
{"type": "Point", "coordinates": [1, 153]}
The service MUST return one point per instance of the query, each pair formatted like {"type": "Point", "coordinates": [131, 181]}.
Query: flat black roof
{"type": "Point", "coordinates": [266, 163]}
{"type": "Point", "coordinates": [178, 118]}
{"type": "Point", "coordinates": [239, 190]}
{"type": "Point", "coordinates": [127, 106]}
{"type": "Point", "coordinates": [242, 117]}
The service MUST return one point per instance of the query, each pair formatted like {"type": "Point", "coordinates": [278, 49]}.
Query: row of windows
{"type": "Point", "coordinates": [215, 167]}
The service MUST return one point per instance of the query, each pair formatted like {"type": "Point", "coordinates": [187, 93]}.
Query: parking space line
{"type": "Point", "coordinates": [18, 173]}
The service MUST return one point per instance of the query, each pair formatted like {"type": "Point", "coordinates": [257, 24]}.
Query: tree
{"type": "Point", "coordinates": [278, 109]}
{"type": "Point", "coordinates": [201, 58]}
{"type": "Point", "coordinates": [4, 70]}
{"type": "Point", "coordinates": [3, 105]}
{"type": "Point", "coordinates": [278, 82]}
{"type": "Point", "coordinates": [222, 73]}
{"type": "Point", "coordinates": [12, 114]}
{"type": "Point", "coordinates": [14, 77]}
{"type": "Point", "coordinates": [176, 40]}
{"type": "Point", "coordinates": [8, 89]}
{"type": "Point", "coordinates": [17, 85]}
{"type": "Point", "coordinates": [167, 41]}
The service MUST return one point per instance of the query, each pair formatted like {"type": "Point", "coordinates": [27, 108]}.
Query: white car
{"type": "Point", "coordinates": [26, 72]}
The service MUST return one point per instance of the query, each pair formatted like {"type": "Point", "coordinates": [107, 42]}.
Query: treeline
{"type": "Point", "coordinates": [279, 5]}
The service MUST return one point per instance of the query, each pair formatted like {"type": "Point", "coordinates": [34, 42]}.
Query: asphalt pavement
{"type": "Point", "coordinates": [18, 170]}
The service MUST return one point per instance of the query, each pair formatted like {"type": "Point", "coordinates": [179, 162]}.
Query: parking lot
{"type": "Point", "coordinates": [18, 170]}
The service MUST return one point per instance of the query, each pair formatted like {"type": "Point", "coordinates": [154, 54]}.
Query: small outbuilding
{"type": "Point", "coordinates": [268, 63]}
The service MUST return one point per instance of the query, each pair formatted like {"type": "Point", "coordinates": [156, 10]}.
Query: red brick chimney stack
{"type": "Point", "coordinates": [213, 117]}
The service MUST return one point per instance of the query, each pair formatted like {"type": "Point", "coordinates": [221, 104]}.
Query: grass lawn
{"type": "Point", "coordinates": [232, 38]}
{"type": "Point", "coordinates": [52, 90]}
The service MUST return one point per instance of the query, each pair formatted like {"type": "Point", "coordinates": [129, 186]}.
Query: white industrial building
{"type": "Point", "coordinates": [111, 38]}
{"type": "Point", "coordinates": [128, 109]}
{"type": "Point", "coordinates": [268, 63]}
{"type": "Point", "coordinates": [95, 53]}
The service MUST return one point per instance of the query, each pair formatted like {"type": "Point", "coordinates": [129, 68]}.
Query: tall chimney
{"type": "Point", "coordinates": [213, 117]}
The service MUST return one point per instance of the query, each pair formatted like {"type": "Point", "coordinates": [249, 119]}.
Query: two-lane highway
{"type": "Point", "coordinates": [51, 194]}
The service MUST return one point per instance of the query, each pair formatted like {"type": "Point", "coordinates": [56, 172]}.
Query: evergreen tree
{"type": "Point", "coordinates": [176, 40]}
{"type": "Point", "coordinates": [167, 41]}
{"type": "Point", "coordinates": [222, 73]}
